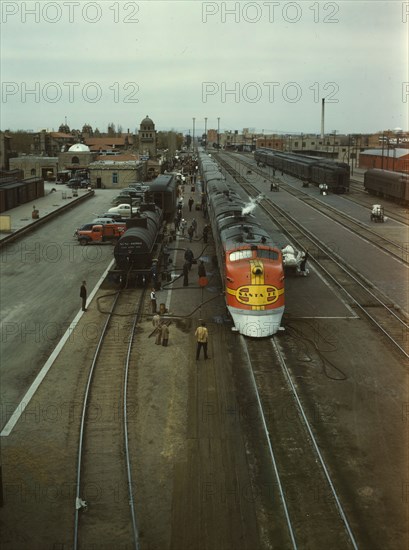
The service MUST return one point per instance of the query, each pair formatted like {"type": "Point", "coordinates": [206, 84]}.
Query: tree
{"type": "Point", "coordinates": [87, 129]}
{"type": "Point", "coordinates": [64, 128]}
{"type": "Point", "coordinates": [111, 129]}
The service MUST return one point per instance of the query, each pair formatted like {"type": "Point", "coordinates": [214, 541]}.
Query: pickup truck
{"type": "Point", "coordinates": [101, 234]}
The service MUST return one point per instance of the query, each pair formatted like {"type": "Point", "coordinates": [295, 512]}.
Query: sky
{"type": "Point", "coordinates": [261, 65]}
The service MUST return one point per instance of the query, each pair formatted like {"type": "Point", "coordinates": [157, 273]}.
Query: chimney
{"type": "Point", "coordinates": [322, 118]}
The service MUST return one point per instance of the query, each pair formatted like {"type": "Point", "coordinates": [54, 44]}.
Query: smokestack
{"type": "Point", "coordinates": [322, 118]}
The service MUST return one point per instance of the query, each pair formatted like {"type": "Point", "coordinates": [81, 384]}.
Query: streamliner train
{"type": "Point", "coordinates": [307, 168]}
{"type": "Point", "coordinates": [250, 264]}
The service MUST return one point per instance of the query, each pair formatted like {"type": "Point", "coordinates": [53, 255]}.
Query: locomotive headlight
{"type": "Point", "coordinates": [257, 270]}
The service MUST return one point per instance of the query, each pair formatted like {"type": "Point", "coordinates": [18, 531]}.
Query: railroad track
{"type": "Point", "coordinates": [398, 250]}
{"type": "Point", "coordinates": [104, 511]}
{"type": "Point", "coordinates": [364, 199]}
{"type": "Point", "coordinates": [367, 200]}
{"type": "Point", "coordinates": [310, 505]}
{"type": "Point", "coordinates": [360, 292]}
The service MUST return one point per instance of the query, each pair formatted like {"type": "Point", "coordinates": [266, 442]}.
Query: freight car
{"type": "Point", "coordinates": [163, 192]}
{"type": "Point", "coordinates": [250, 264]}
{"type": "Point", "coordinates": [138, 250]}
{"type": "Point", "coordinates": [15, 193]}
{"type": "Point", "coordinates": [307, 168]}
{"type": "Point", "coordinates": [384, 183]}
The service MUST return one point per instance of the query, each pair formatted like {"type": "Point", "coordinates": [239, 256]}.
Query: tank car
{"type": "Point", "coordinates": [138, 247]}
{"type": "Point", "coordinates": [385, 183]}
{"type": "Point", "coordinates": [250, 264]}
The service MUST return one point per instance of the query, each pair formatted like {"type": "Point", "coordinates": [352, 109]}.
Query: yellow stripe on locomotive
{"type": "Point", "coordinates": [259, 293]}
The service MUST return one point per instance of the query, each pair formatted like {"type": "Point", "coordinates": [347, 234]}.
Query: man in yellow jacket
{"type": "Point", "coordinates": [202, 337]}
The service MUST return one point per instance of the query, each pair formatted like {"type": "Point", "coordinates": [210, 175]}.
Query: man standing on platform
{"type": "Point", "coordinates": [165, 334]}
{"type": "Point", "coordinates": [83, 295]}
{"type": "Point", "coordinates": [202, 337]}
{"type": "Point", "coordinates": [189, 257]}
{"type": "Point", "coordinates": [153, 301]}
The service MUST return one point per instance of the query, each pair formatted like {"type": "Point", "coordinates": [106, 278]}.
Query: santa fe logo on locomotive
{"type": "Point", "coordinates": [256, 296]}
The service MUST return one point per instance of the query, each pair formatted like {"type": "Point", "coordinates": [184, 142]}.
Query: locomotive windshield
{"type": "Point", "coordinates": [241, 255]}
{"type": "Point", "coordinates": [269, 254]}
{"type": "Point", "coordinates": [255, 253]}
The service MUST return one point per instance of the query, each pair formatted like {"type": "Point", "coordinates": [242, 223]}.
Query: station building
{"type": "Point", "coordinates": [116, 174]}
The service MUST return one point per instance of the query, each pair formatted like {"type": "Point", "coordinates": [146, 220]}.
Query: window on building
{"type": "Point", "coordinates": [312, 142]}
{"type": "Point", "coordinates": [295, 143]}
{"type": "Point", "coordinates": [114, 177]}
{"type": "Point", "coordinates": [75, 160]}
{"type": "Point", "coordinates": [33, 171]}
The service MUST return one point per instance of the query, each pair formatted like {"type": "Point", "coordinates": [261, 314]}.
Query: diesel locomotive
{"type": "Point", "coordinates": [251, 266]}
{"type": "Point", "coordinates": [307, 168]}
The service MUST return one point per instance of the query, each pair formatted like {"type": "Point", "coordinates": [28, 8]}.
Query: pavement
{"type": "Point", "coordinates": [21, 216]}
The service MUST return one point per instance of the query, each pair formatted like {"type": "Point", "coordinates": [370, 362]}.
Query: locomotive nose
{"type": "Point", "coordinates": [257, 271]}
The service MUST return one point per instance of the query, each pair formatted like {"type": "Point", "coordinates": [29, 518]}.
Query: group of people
{"type": "Point", "coordinates": [162, 335]}
{"type": "Point", "coordinates": [161, 327]}
{"type": "Point", "coordinates": [181, 225]}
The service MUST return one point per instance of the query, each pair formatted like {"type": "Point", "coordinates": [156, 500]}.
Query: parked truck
{"type": "Point", "coordinates": [101, 234]}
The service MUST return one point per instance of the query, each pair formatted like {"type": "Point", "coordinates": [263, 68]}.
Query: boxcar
{"type": "Point", "coordinates": [163, 192]}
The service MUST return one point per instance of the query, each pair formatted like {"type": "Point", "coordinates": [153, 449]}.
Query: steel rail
{"type": "Point", "coordinates": [270, 447]}
{"type": "Point", "coordinates": [82, 427]}
{"type": "Point", "coordinates": [125, 419]}
{"type": "Point", "coordinates": [315, 444]}
{"type": "Point", "coordinates": [126, 438]}
{"type": "Point", "coordinates": [347, 271]}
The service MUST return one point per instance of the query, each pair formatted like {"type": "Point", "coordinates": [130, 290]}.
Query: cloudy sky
{"type": "Point", "coordinates": [262, 65]}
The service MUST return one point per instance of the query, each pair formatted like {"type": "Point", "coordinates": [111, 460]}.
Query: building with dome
{"type": "Point", "coordinates": [77, 157]}
{"type": "Point", "coordinates": [147, 138]}
{"type": "Point", "coordinates": [79, 148]}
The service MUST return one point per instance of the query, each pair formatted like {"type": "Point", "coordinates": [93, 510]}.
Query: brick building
{"type": "Point", "coordinates": [396, 160]}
